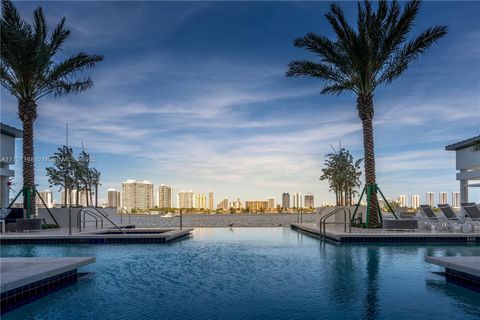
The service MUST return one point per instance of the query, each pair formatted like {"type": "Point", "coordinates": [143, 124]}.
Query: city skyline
{"type": "Point", "coordinates": [242, 128]}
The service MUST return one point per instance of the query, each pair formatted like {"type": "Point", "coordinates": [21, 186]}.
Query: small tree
{"type": "Point", "coordinates": [62, 173]}
{"type": "Point", "coordinates": [343, 174]}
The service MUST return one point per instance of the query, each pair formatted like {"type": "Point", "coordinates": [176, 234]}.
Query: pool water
{"type": "Point", "coordinates": [253, 273]}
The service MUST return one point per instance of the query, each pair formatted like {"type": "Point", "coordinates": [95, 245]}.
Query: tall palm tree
{"type": "Point", "coordinates": [31, 69]}
{"type": "Point", "coordinates": [361, 58]}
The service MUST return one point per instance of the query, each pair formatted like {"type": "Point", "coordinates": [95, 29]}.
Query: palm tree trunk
{"type": "Point", "coordinates": [96, 195]}
{"type": "Point", "coordinates": [27, 112]}
{"type": "Point", "coordinates": [365, 111]}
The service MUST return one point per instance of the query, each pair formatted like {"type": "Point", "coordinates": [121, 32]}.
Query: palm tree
{"type": "Point", "coordinates": [361, 59]}
{"type": "Point", "coordinates": [30, 69]}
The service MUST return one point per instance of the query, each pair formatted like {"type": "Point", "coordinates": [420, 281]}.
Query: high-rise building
{"type": "Point", "coordinates": [271, 203]}
{"type": "Point", "coordinates": [456, 199]}
{"type": "Point", "coordinates": [236, 204]}
{"type": "Point", "coordinates": [83, 198]}
{"type": "Point", "coordinates": [309, 201]}
{"type": "Point", "coordinates": [200, 201]}
{"type": "Point", "coordinates": [415, 201]}
{"type": "Point", "coordinates": [224, 204]}
{"type": "Point", "coordinates": [137, 194]}
{"type": "Point", "coordinates": [286, 200]}
{"type": "Point", "coordinates": [164, 197]}
{"type": "Point", "coordinates": [431, 199]}
{"type": "Point", "coordinates": [297, 200]}
{"type": "Point", "coordinates": [255, 206]}
{"type": "Point", "coordinates": [186, 199]}
{"type": "Point", "coordinates": [113, 198]}
{"type": "Point", "coordinates": [443, 198]}
{"type": "Point", "coordinates": [210, 200]}
{"type": "Point", "coordinates": [402, 200]}
{"type": "Point", "coordinates": [47, 197]}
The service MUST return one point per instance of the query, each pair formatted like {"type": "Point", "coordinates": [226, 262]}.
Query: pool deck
{"type": "Point", "coordinates": [26, 279]}
{"type": "Point", "coordinates": [337, 233]}
{"type": "Point", "coordinates": [107, 235]}
{"type": "Point", "coordinates": [464, 271]}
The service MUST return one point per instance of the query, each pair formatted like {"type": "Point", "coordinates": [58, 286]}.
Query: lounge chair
{"type": "Point", "coordinates": [472, 213]}
{"type": "Point", "coordinates": [432, 220]}
{"type": "Point", "coordinates": [454, 221]}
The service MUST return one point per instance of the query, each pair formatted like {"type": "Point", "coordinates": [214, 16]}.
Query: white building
{"type": "Point", "coordinates": [271, 203]}
{"type": "Point", "coordinates": [456, 200]}
{"type": "Point", "coordinates": [47, 197]}
{"type": "Point", "coordinates": [443, 198]}
{"type": "Point", "coordinates": [7, 158]}
{"type": "Point", "coordinates": [297, 200]}
{"type": "Point", "coordinates": [402, 200]}
{"type": "Point", "coordinates": [200, 201]}
{"type": "Point", "coordinates": [415, 201]}
{"type": "Point", "coordinates": [431, 199]}
{"type": "Point", "coordinates": [467, 164]}
{"type": "Point", "coordinates": [137, 194]}
{"type": "Point", "coordinates": [210, 200]}
{"type": "Point", "coordinates": [164, 196]}
{"type": "Point", "coordinates": [186, 199]}
{"type": "Point", "coordinates": [309, 201]}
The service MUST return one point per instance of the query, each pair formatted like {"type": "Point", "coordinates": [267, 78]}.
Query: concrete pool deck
{"type": "Point", "coordinates": [464, 271]}
{"type": "Point", "coordinates": [26, 279]}
{"type": "Point", "coordinates": [337, 233]}
{"type": "Point", "coordinates": [107, 235]}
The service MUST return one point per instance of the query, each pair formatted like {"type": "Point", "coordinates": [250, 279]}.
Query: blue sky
{"type": "Point", "coordinates": [193, 94]}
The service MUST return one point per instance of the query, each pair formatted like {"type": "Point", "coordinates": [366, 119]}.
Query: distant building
{"type": "Point", "coordinates": [286, 200]}
{"type": "Point", "coordinates": [431, 199]}
{"type": "Point", "coordinates": [402, 200]}
{"type": "Point", "coordinates": [47, 197]}
{"type": "Point", "coordinates": [325, 204]}
{"type": "Point", "coordinates": [137, 194]}
{"type": "Point", "coordinates": [200, 201]}
{"type": "Point", "coordinates": [415, 201]}
{"type": "Point", "coordinates": [113, 198]}
{"type": "Point", "coordinates": [7, 158]}
{"type": "Point", "coordinates": [210, 200]}
{"type": "Point", "coordinates": [164, 197]}
{"type": "Point", "coordinates": [443, 198]}
{"type": "Point", "coordinates": [83, 198]}
{"type": "Point", "coordinates": [456, 200]}
{"type": "Point", "coordinates": [223, 205]}
{"type": "Point", "coordinates": [255, 206]}
{"type": "Point", "coordinates": [271, 203]}
{"type": "Point", "coordinates": [309, 201]}
{"type": "Point", "coordinates": [236, 204]}
{"type": "Point", "coordinates": [185, 199]}
{"type": "Point", "coordinates": [297, 200]}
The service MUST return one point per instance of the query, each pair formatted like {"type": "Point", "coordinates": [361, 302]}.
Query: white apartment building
{"type": "Point", "coordinates": [210, 200]}
{"type": "Point", "coordinates": [271, 203]}
{"type": "Point", "coordinates": [443, 198]}
{"type": "Point", "coordinates": [186, 199]}
{"type": "Point", "coordinates": [47, 197]}
{"type": "Point", "coordinates": [297, 200]}
{"type": "Point", "coordinates": [200, 201]}
{"type": "Point", "coordinates": [137, 194]}
{"type": "Point", "coordinates": [402, 200]}
{"type": "Point", "coordinates": [164, 196]}
{"type": "Point", "coordinates": [415, 201]}
{"type": "Point", "coordinates": [431, 199]}
{"type": "Point", "coordinates": [456, 200]}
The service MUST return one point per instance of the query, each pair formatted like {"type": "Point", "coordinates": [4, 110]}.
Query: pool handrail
{"type": "Point", "coordinates": [323, 220]}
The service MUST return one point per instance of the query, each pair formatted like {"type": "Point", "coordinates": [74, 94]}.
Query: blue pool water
{"type": "Point", "coordinates": [253, 273]}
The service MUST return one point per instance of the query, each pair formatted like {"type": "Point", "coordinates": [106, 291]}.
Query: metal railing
{"type": "Point", "coordinates": [122, 210]}
{"type": "Point", "coordinates": [102, 215]}
{"type": "Point", "coordinates": [323, 220]}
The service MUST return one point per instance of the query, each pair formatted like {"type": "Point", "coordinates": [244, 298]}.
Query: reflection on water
{"type": "Point", "coordinates": [370, 303]}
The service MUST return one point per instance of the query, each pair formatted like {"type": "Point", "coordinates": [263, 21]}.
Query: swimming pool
{"type": "Point", "coordinates": [253, 273]}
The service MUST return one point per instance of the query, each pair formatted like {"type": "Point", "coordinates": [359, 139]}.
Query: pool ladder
{"type": "Point", "coordinates": [346, 223]}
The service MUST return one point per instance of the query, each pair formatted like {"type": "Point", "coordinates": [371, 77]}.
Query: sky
{"type": "Point", "coordinates": [194, 95]}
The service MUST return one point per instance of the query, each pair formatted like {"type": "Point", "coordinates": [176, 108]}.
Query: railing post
{"type": "Point", "coordinates": [69, 221]}
{"type": "Point", "coordinates": [181, 219]}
